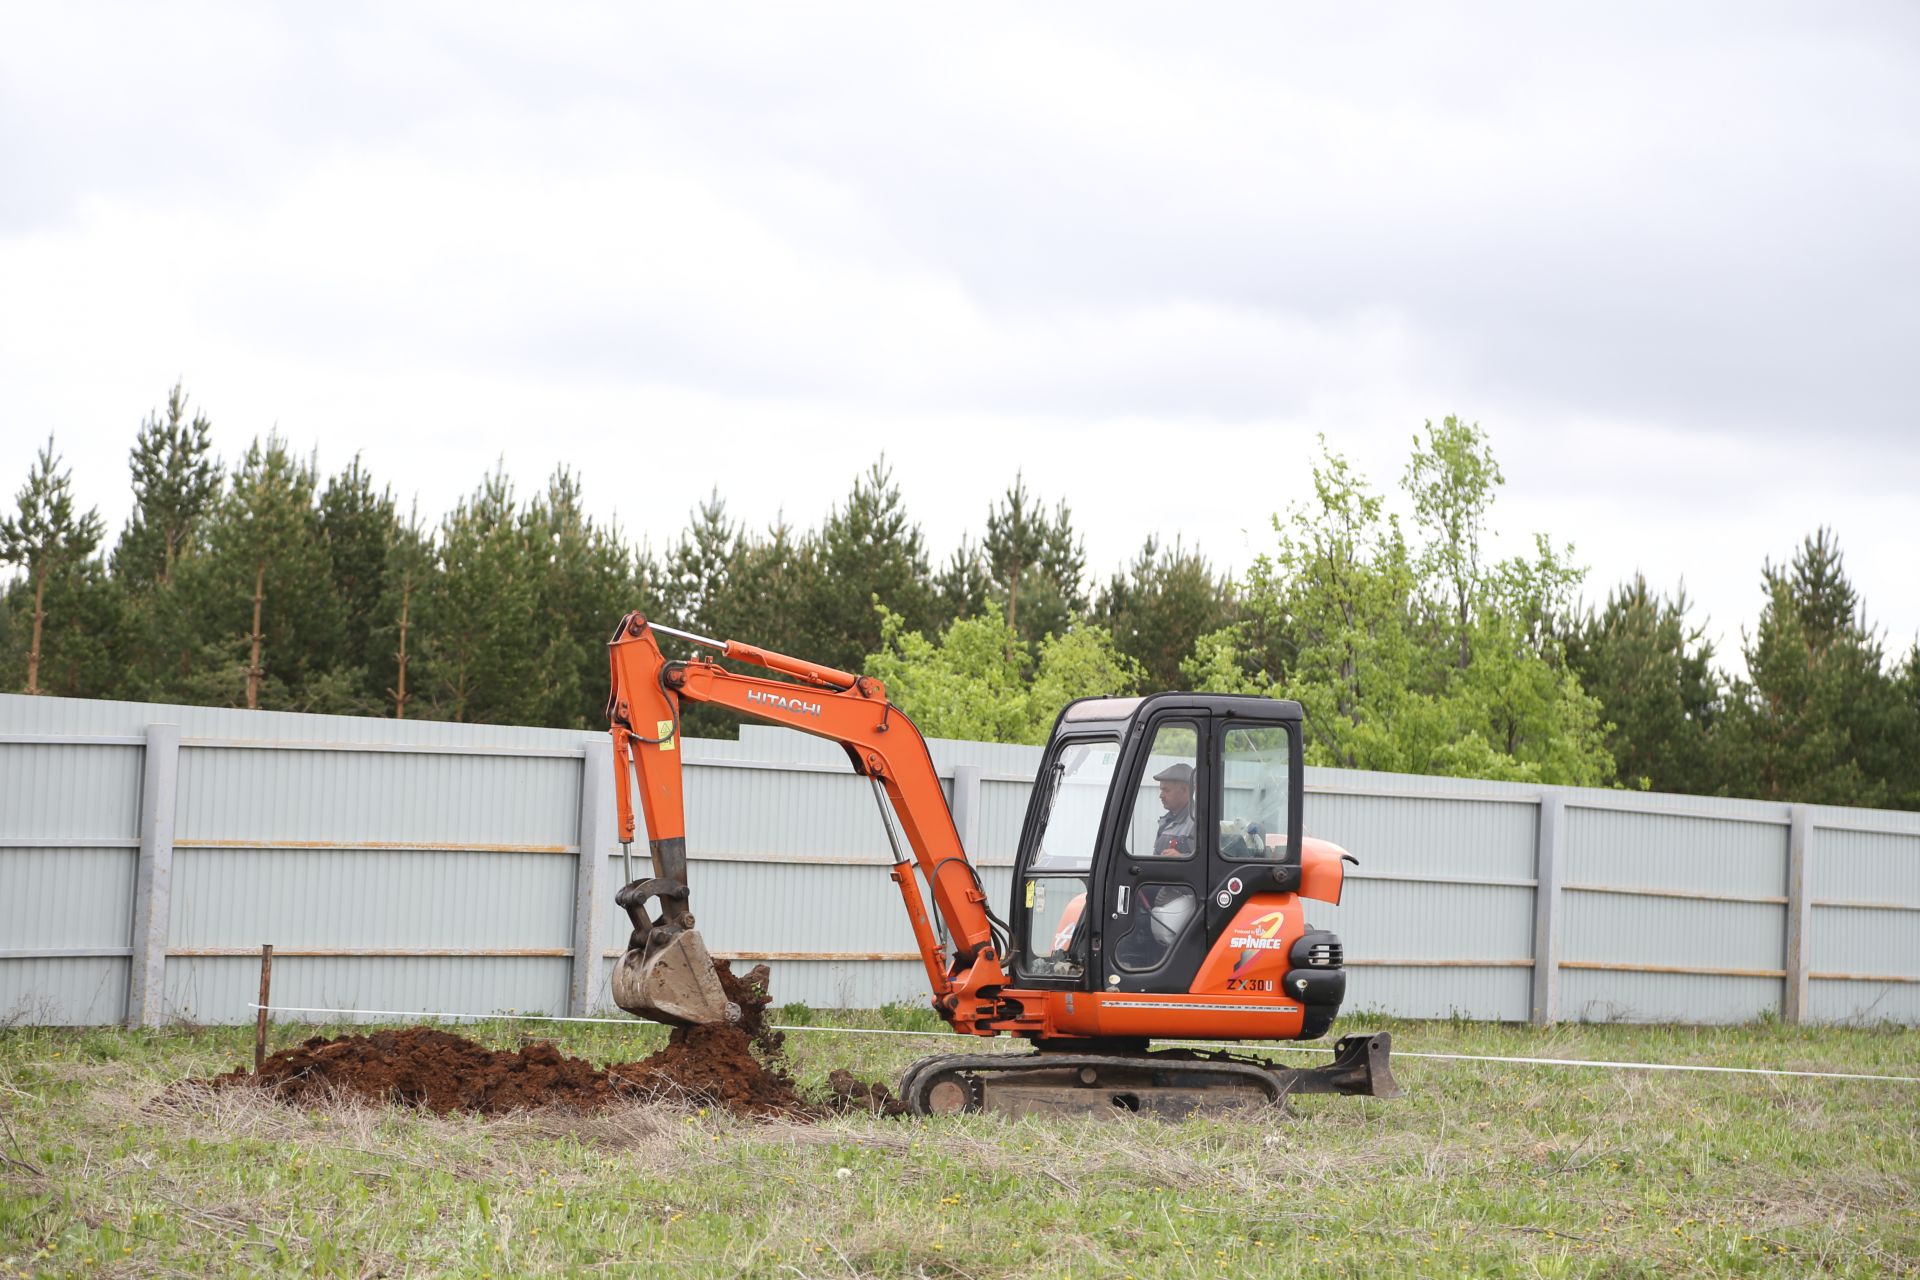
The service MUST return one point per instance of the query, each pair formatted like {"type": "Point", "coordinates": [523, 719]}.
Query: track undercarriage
{"type": "Point", "coordinates": [1171, 1083]}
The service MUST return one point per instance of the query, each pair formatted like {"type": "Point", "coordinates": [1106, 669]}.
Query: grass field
{"type": "Point", "coordinates": [1482, 1169]}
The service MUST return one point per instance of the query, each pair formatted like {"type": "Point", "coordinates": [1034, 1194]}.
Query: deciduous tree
{"type": "Point", "coordinates": [968, 681]}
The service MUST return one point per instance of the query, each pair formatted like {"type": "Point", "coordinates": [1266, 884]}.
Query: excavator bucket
{"type": "Point", "coordinates": [673, 982]}
{"type": "Point", "coordinates": [667, 973]}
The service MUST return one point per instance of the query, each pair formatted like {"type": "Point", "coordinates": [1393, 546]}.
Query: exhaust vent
{"type": "Point", "coordinates": [1317, 949]}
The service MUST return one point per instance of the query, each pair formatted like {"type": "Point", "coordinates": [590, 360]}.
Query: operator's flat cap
{"type": "Point", "coordinates": [1180, 773]}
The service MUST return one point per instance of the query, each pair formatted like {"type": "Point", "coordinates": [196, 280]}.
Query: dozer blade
{"type": "Point", "coordinates": [1361, 1066]}
{"type": "Point", "coordinates": [673, 981]}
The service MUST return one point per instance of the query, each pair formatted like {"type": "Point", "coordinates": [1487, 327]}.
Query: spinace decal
{"type": "Point", "coordinates": [1261, 934]}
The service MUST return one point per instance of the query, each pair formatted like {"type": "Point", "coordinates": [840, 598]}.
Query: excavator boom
{"type": "Point", "coordinates": [661, 974]}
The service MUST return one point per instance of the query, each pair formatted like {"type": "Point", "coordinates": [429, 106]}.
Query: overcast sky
{"type": "Point", "coordinates": [1665, 255]}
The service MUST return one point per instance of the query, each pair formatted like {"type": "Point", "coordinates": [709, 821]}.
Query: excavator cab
{"type": "Point", "coordinates": [1160, 837]}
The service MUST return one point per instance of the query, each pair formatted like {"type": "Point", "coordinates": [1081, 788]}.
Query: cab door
{"type": "Point", "coordinates": [1154, 925]}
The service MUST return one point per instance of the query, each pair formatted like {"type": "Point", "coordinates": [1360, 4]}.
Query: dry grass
{"type": "Point", "coordinates": [111, 1169]}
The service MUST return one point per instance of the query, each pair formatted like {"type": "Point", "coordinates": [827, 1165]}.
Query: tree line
{"type": "Point", "coordinates": [263, 583]}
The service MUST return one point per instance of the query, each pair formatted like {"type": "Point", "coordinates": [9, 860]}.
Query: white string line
{"type": "Point", "coordinates": [1196, 1044]}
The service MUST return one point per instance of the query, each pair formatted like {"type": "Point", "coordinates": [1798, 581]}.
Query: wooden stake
{"type": "Point", "coordinates": [260, 1023]}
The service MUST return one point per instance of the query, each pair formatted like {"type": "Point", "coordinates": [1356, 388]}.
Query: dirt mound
{"type": "Point", "coordinates": [851, 1094]}
{"type": "Point", "coordinates": [713, 1065]}
{"type": "Point", "coordinates": [422, 1067]}
{"type": "Point", "coordinates": [739, 1067]}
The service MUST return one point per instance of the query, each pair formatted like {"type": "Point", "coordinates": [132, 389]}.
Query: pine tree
{"type": "Point", "coordinates": [583, 586]}
{"type": "Point", "coordinates": [393, 639]}
{"type": "Point", "coordinates": [867, 550]}
{"type": "Point", "coordinates": [358, 526]}
{"type": "Point", "coordinates": [1037, 561]}
{"type": "Point", "coordinates": [1904, 788]}
{"type": "Point", "coordinates": [697, 568]}
{"type": "Point", "coordinates": [478, 658]}
{"type": "Point", "coordinates": [262, 594]}
{"type": "Point", "coordinates": [175, 483]}
{"type": "Point", "coordinates": [1653, 674]}
{"type": "Point", "coordinates": [51, 543]}
{"type": "Point", "coordinates": [1160, 608]}
{"type": "Point", "coordinates": [773, 584]}
{"type": "Point", "coordinates": [718, 580]}
{"type": "Point", "coordinates": [964, 584]}
{"type": "Point", "coordinates": [1817, 719]}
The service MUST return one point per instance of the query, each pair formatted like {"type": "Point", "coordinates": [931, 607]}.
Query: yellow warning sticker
{"type": "Point", "coordinates": [1030, 885]}
{"type": "Point", "coordinates": [664, 731]}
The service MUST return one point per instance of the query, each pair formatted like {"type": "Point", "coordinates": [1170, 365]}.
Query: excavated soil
{"type": "Point", "coordinates": [740, 1068]}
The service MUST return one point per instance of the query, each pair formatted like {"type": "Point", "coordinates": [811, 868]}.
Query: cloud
{"type": "Point", "coordinates": [1146, 255]}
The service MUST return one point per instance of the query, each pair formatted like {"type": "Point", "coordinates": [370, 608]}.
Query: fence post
{"type": "Point", "coordinates": [1548, 866]}
{"type": "Point", "coordinates": [1799, 959]}
{"type": "Point", "coordinates": [589, 909]}
{"type": "Point", "coordinates": [153, 881]}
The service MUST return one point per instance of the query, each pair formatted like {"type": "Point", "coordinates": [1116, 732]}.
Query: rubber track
{"type": "Point", "coordinates": [919, 1077]}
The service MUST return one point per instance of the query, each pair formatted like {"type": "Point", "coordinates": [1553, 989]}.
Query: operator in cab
{"type": "Point", "coordinates": [1168, 909]}
{"type": "Point", "coordinates": [1173, 838]}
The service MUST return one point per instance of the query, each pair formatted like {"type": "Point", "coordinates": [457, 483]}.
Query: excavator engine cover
{"type": "Point", "coordinates": [673, 981]}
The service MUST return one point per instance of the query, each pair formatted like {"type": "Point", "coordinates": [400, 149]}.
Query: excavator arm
{"type": "Point", "coordinates": [667, 973]}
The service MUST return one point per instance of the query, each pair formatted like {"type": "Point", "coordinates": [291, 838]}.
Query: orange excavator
{"type": "Point", "coordinates": [1157, 891]}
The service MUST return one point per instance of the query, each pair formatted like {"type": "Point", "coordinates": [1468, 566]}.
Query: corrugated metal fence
{"type": "Point", "coordinates": [147, 851]}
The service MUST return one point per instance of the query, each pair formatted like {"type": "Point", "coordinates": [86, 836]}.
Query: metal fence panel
{"type": "Point", "coordinates": [1619, 928]}
{"type": "Point", "coordinates": [1865, 866]}
{"type": "Point", "coordinates": [65, 898]}
{"type": "Point", "coordinates": [236, 794]}
{"type": "Point", "coordinates": [1866, 1003]}
{"type": "Point", "coordinates": [203, 989]}
{"type": "Point", "coordinates": [1425, 835]}
{"type": "Point", "coordinates": [1698, 854]}
{"type": "Point", "coordinates": [67, 791]}
{"type": "Point", "coordinates": [1389, 991]}
{"type": "Point", "coordinates": [820, 984]}
{"type": "Point", "coordinates": [403, 865]}
{"type": "Point", "coordinates": [1003, 808]}
{"type": "Point", "coordinates": [361, 898]}
{"type": "Point", "coordinates": [1598, 995]}
{"type": "Point", "coordinates": [1865, 940]}
{"type": "Point", "coordinates": [1413, 920]}
{"type": "Point", "coordinates": [68, 991]}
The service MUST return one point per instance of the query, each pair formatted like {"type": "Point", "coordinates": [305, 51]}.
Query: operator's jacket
{"type": "Point", "coordinates": [1174, 837]}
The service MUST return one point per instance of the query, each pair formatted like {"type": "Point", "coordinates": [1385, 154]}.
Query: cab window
{"type": "Point", "coordinates": [1056, 911]}
{"type": "Point", "coordinates": [1162, 823]}
{"type": "Point", "coordinates": [1076, 782]}
{"type": "Point", "coordinates": [1255, 772]}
